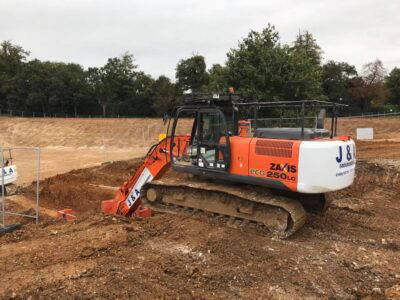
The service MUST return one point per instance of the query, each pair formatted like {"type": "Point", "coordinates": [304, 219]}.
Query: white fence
{"type": "Point", "coordinates": [21, 113]}
{"type": "Point", "coordinates": [375, 115]}
{"type": "Point", "coordinates": [32, 114]}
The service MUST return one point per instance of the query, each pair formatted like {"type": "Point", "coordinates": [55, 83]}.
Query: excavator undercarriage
{"type": "Point", "coordinates": [282, 216]}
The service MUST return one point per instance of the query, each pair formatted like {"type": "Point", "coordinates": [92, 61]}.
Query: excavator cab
{"type": "Point", "coordinates": [207, 144]}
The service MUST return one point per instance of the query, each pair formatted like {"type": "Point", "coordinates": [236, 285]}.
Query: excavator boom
{"type": "Point", "coordinates": [157, 161]}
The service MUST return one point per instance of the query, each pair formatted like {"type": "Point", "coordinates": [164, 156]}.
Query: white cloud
{"type": "Point", "coordinates": [159, 33]}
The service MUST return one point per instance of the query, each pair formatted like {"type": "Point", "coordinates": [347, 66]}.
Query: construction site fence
{"type": "Point", "coordinates": [29, 114]}
{"type": "Point", "coordinates": [374, 115]}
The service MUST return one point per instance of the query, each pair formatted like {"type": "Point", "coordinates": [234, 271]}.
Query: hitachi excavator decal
{"type": "Point", "coordinates": [283, 167]}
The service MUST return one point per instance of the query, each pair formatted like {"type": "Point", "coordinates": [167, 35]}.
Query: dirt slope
{"type": "Point", "coordinates": [131, 133]}
{"type": "Point", "coordinates": [384, 128]}
{"type": "Point", "coordinates": [67, 144]}
{"type": "Point", "coordinates": [79, 133]}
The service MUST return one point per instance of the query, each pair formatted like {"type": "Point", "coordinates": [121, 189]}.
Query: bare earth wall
{"type": "Point", "coordinates": [77, 143]}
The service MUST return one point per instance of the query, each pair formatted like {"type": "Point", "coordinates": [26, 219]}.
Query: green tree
{"type": "Point", "coordinates": [97, 84]}
{"type": "Point", "coordinates": [72, 91]}
{"type": "Point", "coordinates": [307, 43]}
{"type": "Point", "coordinates": [52, 86]}
{"type": "Point", "coordinates": [336, 79]}
{"type": "Point", "coordinates": [163, 95]}
{"type": "Point", "coordinates": [191, 74]}
{"type": "Point", "coordinates": [112, 83]}
{"type": "Point", "coordinates": [40, 84]}
{"type": "Point", "coordinates": [305, 78]}
{"type": "Point", "coordinates": [393, 85]}
{"type": "Point", "coordinates": [12, 58]}
{"type": "Point", "coordinates": [218, 79]}
{"type": "Point", "coordinates": [264, 68]}
{"type": "Point", "coordinates": [258, 65]}
{"type": "Point", "coordinates": [139, 96]}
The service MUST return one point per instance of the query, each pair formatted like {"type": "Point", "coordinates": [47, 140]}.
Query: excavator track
{"type": "Point", "coordinates": [282, 216]}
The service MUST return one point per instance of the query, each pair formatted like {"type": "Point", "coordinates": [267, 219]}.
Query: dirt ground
{"type": "Point", "coordinates": [378, 149]}
{"type": "Point", "coordinates": [384, 128]}
{"type": "Point", "coordinates": [351, 251]}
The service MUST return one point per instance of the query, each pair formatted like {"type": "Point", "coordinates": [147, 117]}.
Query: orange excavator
{"type": "Point", "coordinates": [236, 168]}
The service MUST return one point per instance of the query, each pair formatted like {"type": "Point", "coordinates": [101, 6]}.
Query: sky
{"type": "Point", "coordinates": [161, 32]}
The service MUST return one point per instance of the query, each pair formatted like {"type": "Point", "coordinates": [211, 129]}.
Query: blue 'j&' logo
{"type": "Point", "coordinates": [349, 156]}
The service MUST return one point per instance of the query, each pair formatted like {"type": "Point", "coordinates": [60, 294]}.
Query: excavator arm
{"type": "Point", "coordinates": [157, 161]}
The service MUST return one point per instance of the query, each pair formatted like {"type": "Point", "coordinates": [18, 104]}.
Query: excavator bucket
{"type": "Point", "coordinates": [107, 206]}
{"type": "Point", "coordinates": [112, 207]}
{"type": "Point", "coordinates": [118, 206]}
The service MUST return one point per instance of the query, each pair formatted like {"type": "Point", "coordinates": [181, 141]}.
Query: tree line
{"type": "Point", "coordinates": [260, 66]}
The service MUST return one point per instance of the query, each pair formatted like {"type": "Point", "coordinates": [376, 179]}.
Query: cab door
{"type": "Point", "coordinates": [200, 141]}
{"type": "Point", "coordinates": [213, 148]}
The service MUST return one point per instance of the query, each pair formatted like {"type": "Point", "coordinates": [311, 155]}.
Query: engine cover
{"type": "Point", "coordinates": [326, 165]}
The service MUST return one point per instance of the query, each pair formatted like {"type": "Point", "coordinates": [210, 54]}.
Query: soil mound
{"type": "Point", "coordinates": [84, 189]}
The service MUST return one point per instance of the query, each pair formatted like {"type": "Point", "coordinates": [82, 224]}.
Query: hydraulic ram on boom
{"type": "Point", "coordinates": [157, 161]}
